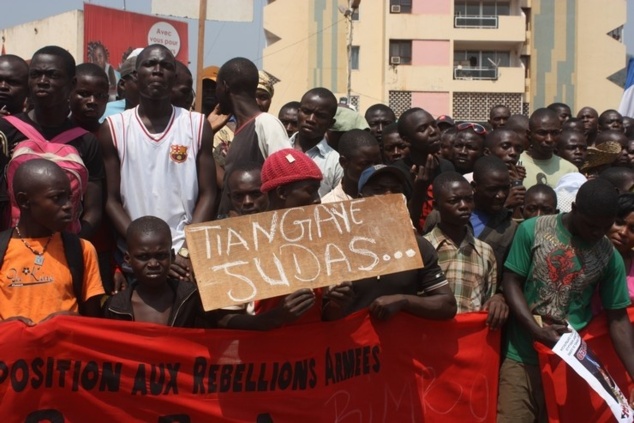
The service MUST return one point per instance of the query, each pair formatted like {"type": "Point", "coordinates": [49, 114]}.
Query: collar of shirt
{"type": "Point", "coordinates": [321, 148]}
{"type": "Point", "coordinates": [438, 239]}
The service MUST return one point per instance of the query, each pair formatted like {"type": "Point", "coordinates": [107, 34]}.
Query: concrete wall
{"type": "Point", "coordinates": [65, 30]}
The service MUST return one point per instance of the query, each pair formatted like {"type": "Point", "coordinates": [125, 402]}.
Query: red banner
{"type": "Point", "coordinates": [111, 34]}
{"type": "Point", "coordinates": [355, 370]}
{"type": "Point", "coordinates": [568, 396]}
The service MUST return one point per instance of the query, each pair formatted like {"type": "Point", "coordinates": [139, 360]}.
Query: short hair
{"type": "Point", "coordinates": [91, 69]}
{"type": "Point", "coordinates": [493, 137]}
{"type": "Point", "coordinates": [444, 179]}
{"type": "Point", "coordinates": [390, 129]}
{"type": "Point", "coordinates": [180, 66]}
{"type": "Point", "coordinates": [247, 166]}
{"type": "Point", "coordinates": [517, 122]}
{"type": "Point", "coordinates": [380, 107]}
{"type": "Point", "coordinates": [625, 205]}
{"type": "Point", "coordinates": [539, 115]}
{"type": "Point", "coordinates": [499, 106]}
{"type": "Point", "coordinates": [597, 198]}
{"type": "Point", "coordinates": [324, 93]}
{"type": "Point", "coordinates": [143, 52]}
{"type": "Point", "coordinates": [542, 189]}
{"type": "Point", "coordinates": [569, 124]}
{"type": "Point", "coordinates": [604, 115]}
{"type": "Point", "coordinates": [402, 120]}
{"type": "Point", "coordinates": [241, 75]}
{"type": "Point", "coordinates": [148, 225]}
{"type": "Point", "coordinates": [557, 106]}
{"type": "Point", "coordinates": [566, 133]}
{"type": "Point", "coordinates": [610, 135]}
{"type": "Point", "coordinates": [488, 164]}
{"type": "Point", "coordinates": [351, 141]}
{"type": "Point", "coordinates": [290, 106]}
{"type": "Point", "coordinates": [619, 176]}
{"type": "Point", "coordinates": [57, 51]}
{"type": "Point", "coordinates": [15, 59]}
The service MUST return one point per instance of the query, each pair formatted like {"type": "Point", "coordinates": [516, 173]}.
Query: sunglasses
{"type": "Point", "coordinates": [477, 128]}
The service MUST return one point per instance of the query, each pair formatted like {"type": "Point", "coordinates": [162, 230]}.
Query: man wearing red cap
{"type": "Point", "coordinates": [291, 179]}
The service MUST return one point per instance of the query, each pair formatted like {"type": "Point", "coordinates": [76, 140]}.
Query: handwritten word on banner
{"type": "Point", "coordinates": [264, 255]}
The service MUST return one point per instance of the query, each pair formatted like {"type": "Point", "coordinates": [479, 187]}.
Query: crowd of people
{"type": "Point", "coordinates": [530, 219]}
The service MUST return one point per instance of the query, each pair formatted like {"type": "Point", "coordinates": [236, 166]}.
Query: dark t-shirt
{"type": "Point", "coordinates": [87, 145]}
{"type": "Point", "coordinates": [411, 282]}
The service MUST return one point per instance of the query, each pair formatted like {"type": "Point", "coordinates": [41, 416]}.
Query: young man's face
{"type": "Point", "coordinates": [382, 184]}
{"type": "Point", "coordinates": [156, 73]}
{"type": "Point", "coordinates": [572, 146]}
{"type": "Point", "coordinates": [49, 202]}
{"type": "Point", "coordinates": [422, 133]}
{"type": "Point", "coordinates": [491, 190]}
{"type": "Point", "coordinates": [49, 83]}
{"type": "Point", "coordinates": [182, 90]}
{"type": "Point", "coordinates": [394, 148]}
{"type": "Point", "coordinates": [288, 117]}
{"type": "Point", "coordinates": [590, 229]}
{"type": "Point", "coordinates": [314, 117]}
{"type": "Point", "coordinates": [467, 148]}
{"type": "Point", "coordinates": [89, 98]}
{"type": "Point", "coordinates": [538, 204]}
{"type": "Point", "coordinates": [455, 203]}
{"type": "Point", "coordinates": [622, 233]}
{"type": "Point", "coordinates": [363, 158]}
{"type": "Point", "coordinates": [590, 120]}
{"type": "Point", "coordinates": [544, 136]}
{"type": "Point", "coordinates": [377, 120]}
{"type": "Point", "coordinates": [150, 256]}
{"type": "Point", "coordinates": [14, 85]}
{"type": "Point", "coordinates": [508, 147]}
{"type": "Point", "coordinates": [499, 116]}
{"type": "Point", "coordinates": [300, 194]}
{"type": "Point", "coordinates": [245, 194]}
{"type": "Point", "coordinates": [263, 98]}
{"type": "Point", "coordinates": [611, 121]}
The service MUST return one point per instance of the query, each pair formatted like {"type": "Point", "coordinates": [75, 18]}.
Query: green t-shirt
{"type": "Point", "coordinates": [547, 172]}
{"type": "Point", "coordinates": [562, 274]}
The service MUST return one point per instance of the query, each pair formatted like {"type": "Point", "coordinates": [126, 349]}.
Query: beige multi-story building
{"type": "Point", "coordinates": [455, 57]}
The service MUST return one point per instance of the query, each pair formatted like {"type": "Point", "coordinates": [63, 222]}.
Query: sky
{"type": "Point", "coordinates": [223, 40]}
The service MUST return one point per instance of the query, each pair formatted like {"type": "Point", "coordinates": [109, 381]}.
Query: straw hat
{"type": "Point", "coordinates": [600, 155]}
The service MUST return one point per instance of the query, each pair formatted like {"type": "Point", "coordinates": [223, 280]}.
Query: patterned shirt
{"type": "Point", "coordinates": [470, 269]}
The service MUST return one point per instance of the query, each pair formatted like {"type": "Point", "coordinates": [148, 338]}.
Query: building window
{"type": "Point", "coordinates": [400, 6]}
{"type": "Point", "coordinates": [354, 58]}
{"type": "Point", "coordinates": [479, 14]}
{"type": "Point", "coordinates": [479, 64]}
{"type": "Point", "coordinates": [400, 52]}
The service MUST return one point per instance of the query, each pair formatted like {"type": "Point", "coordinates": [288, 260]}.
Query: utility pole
{"type": "Point", "coordinates": [202, 17]}
{"type": "Point", "coordinates": [348, 16]}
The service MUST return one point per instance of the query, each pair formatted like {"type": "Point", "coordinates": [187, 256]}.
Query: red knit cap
{"type": "Point", "coordinates": [286, 166]}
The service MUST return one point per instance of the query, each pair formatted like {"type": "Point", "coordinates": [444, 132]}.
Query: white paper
{"type": "Point", "coordinates": [217, 10]}
{"type": "Point", "coordinates": [574, 351]}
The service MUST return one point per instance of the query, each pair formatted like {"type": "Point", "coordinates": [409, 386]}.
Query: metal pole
{"type": "Point", "coordinates": [202, 16]}
{"type": "Point", "coordinates": [349, 83]}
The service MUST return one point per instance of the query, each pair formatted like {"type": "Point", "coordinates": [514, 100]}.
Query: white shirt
{"type": "Point", "coordinates": [327, 159]}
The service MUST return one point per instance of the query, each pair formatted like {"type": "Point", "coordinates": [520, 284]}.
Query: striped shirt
{"type": "Point", "coordinates": [470, 269]}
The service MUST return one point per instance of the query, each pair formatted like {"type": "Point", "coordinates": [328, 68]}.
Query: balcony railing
{"type": "Point", "coordinates": [475, 22]}
{"type": "Point", "coordinates": [474, 73]}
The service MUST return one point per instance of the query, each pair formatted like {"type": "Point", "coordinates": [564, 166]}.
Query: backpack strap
{"type": "Point", "coordinates": [28, 130]}
{"type": "Point", "coordinates": [31, 133]}
{"type": "Point", "coordinates": [5, 237]}
{"type": "Point", "coordinates": [75, 260]}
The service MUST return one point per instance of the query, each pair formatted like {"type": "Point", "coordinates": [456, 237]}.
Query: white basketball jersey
{"type": "Point", "coordinates": [158, 171]}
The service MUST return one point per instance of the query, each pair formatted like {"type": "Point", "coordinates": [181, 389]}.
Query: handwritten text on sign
{"type": "Point", "coordinates": [264, 255]}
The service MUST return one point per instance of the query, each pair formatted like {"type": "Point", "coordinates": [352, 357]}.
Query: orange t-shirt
{"type": "Point", "coordinates": [35, 291]}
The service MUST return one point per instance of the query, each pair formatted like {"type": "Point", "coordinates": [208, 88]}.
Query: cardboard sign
{"type": "Point", "coordinates": [265, 255]}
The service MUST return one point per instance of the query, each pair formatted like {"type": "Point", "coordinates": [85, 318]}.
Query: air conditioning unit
{"type": "Point", "coordinates": [395, 8]}
{"type": "Point", "coordinates": [395, 60]}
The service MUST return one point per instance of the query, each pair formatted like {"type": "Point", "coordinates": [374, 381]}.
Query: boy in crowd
{"type": "Point", "coordinates": [392, 146]}
{"type": "Point", "coordinates": [469, 264]}
{"type": "Point", "coordinates": [423, 292]}
{"type": "Point", "coordinates": [590, 119]}
{"type": "Point", "coordinates": [542, 165]}
{"type": "Point", "coordinates": [610, 120]}
{"type": "Point", "coordinates": [316, 114]}
{"type": "Point", "coordinates": [555, 266]}
{"type": "Point", "coordinates": [288, 116]}
{"type": "Point", "coordinates": [289, 179]}
{"type": "Point", "coordinates": [468, 146]}
{"type": "Point", "coordinates": [498, 116]}
{"type": "Point", "coordinates": [153, 297]}
{"type": "Point", "coordinates": [379, 116]}
{"type": "Point", "coordinates": [358, 150]}
{"type": "Point", "coordinates": [540, 200]}
{"type": "Point", "coordinates": [89, 96]}
{"type": "Point", "coordinates": [243, 187]}
{"type": "Point", "coordinates": [572, 146]}
{"type": "Point", "coordinates": [44, 272]}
